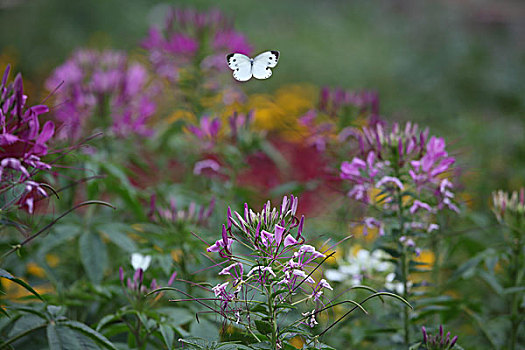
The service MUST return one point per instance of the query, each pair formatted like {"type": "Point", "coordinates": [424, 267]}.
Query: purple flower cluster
{"type": "Point", "coordinates": [439, 341]}
{"type": "Point", "coordinates": [102, 89]}
{"type": "Point", "coordinates": [322, 122]}
{"type": "Point", "coordinates": [398, 160]}
{"type": "Point", "coordinates": [509, 204]}
{"type": "Point", "coordinates": [208, 128]}
{"type": "Point", "coordinates": [279, 261]}
{"type": "Point", "coordinates": [207, 132]}
{"type": "Point", "coordinates": [176, 214]}
{"type": "Point", "coordinates": [333, 101]}
{"type": "Point", "coordinates": [188, 37]}
{"type": "Point", "coordinates": [23, 142]}
{"type": "Point", "coordinates": [135, 289]}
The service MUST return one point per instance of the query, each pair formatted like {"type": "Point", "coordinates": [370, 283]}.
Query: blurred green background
{"type": "Point", "coordinates": [456, 66]}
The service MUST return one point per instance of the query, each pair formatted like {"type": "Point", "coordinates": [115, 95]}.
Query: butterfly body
{"type": "Point", "coordinates": [244, 67]}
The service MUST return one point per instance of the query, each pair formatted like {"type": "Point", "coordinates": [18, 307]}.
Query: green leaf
{"type": "Point", "coordinates": [512, 290]}
{"type": "Point", "coordinates": [116, 233]}
{"type": "Point", "coordinates": [62, 338]}
{"type": "Point", "coordinates": [7, 275]}
{"type": "Point", "coordinates": [26, 323]}
{"type": "Point", "coordinates": [262, 308]}
{"type": "Point", "coordinates": [177, 316]}
{"type": "Point", "coordinates": [25, 328]}
{"type": "Point", "coordinates": [284, 306]}
{"type": "Point", "coordinates": [167, 334]}
{"type": "Point", "coordinates": [467, 269]}
{"type": "Point", "coordinates": [492, 281]}
{"type": "Point", "coordinates": [55, 311]}
{"type": "Point", "coordinates": [58, 235]}
{"type": "Point", "coordinates": [204, 330]}
{"type": "Point", "coordinates": [264, 327]}
{"type": "Point", "coordinates": [273, 295]}
{"type": "Point", "coordinates": [89, 332]}
{"type": "Point", "coordinates": [94, 256]}
{"type": "Point", "coordinates": [415, 346]}
{"type": "Point", "coordinates": [105, 320]}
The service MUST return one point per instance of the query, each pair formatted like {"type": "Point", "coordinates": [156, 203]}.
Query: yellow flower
{"type": "Point", "coordinates": [177, 255]}
{"type": "Point", "coordinates": [371, 235]}
{"type": "Point", "coordinates": [35, 270]}
{"type": "Point", "coordinates": [355, 249]}
{"type": "Point", "coordinates": [181, 115]}
{"type": "Point", "coordinates": [280, 112]}
{"type": "Point", "coordinates": [52, 260]}
{"type": "Point", "coordinates": [375, 195]}
{"type": "Point", "coordinates": [426, 257]}
{"type": "Point", "coordinates": [297, 342]}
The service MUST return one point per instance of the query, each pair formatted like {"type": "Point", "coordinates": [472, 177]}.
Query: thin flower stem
{"type": "Point", "coordinates": [406, 315]}
{"type": "Point", "coordinates": [48, 226]}
{"type": "Point", "coordinates": [273, 317]}
{"type": "Point", "coordinates": [516, 274]}
{"type": "Point", "coordinates": [405, 268]}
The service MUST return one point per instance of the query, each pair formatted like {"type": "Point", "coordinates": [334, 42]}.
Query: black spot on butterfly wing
{"type": "Point", "coordinates": [229, 56]}
{"type": "Point", "coordinates": [276, 53]}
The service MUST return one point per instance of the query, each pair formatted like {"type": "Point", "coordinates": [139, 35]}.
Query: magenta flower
{"type": "Point", "coordinates": [206, 164]}
{"type": "Point", "coordinates": [191, 213]}
{"type": "Point", "coordinates": [509, 206]}
{"type": "Point", "coordinates": [439, 341]}
{"type": "Point", "coordinates": [223, 245]}
{"type": "Point", "coordinates": [22, 140]}
{"type": "Point", "coordinates": [101, 89]}
{"type": "Point", "coordinates": [278, 260]}
{"type": "Point", "coordinates": [135, 289]}
{"type": "Point", "coordinates": [207, 130]}
{"type": "Point", "coordinates": [336, 105]}
{"type": "Point", "coordinates": [190, 38]}
{"type": "Point", "coordinates": [397, 159]}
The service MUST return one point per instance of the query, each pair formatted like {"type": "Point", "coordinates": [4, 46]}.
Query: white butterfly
{"type": "Point", "coordinates": [245, 67]}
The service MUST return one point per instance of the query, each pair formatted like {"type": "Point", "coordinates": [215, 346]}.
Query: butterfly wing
{"type": "Point", "coordinates": [241, 66]}
{"type": "Point", "coordinates": [262, 64]}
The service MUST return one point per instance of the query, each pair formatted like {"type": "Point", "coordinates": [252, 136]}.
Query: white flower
{"type": "Point", "coordinates": [312, 322]}
{"type": "Point", "coordinates": [325, 284]}
{"type": "Point", "coordinates": [301, 273]}
{"type": "Point", "coordinates": [334, 275]}
{"type": "Point", "coordinates": [261, 269]}
{"type": "Point", "coordinates": [395, 286]}
{"type": "Point", "coordinates": [364, 264]}
{"type": "Point", "coordinates": [139, 261]}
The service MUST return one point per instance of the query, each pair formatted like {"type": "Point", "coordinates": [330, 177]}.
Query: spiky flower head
{"type": "Point", "coordinates": [509, 204]}
{"type": "Point", "coordinates": [278, 260]}
{"type": "Point", "coordinates": [102, 89]}
{"type": "Point", "coordinates": [189, 37]}
{"type": "Point", "coordinates": [439, 341]}
{"type": "Point", "coordinates": [23, 142]}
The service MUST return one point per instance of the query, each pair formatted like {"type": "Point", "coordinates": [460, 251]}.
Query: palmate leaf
{"type": "Point", "coordinates": [58, 236]}
{"type": "Point", "coordinates": [62, 338]}
{"type": "Point", "coordinates": [89, 332]}
{"type": "Point", "coordinates": [7, 275]}
{"type": "Point", "coordinates": [116, 232]}
{"type": "Point", "coordinates": [26, 323]}
{"type": "Point", "coordinates": [264, 327]}
{"type": "Point", "coordinates": [106, 320]}
{"type": "Point", "coordinates": [23, 326]}
{"type": "Point", "coordinates": [168, 334]}
{"type": "Point", "coordinates": [196, 343]}
{"type": "Point", "coordinates": [93, 255]}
